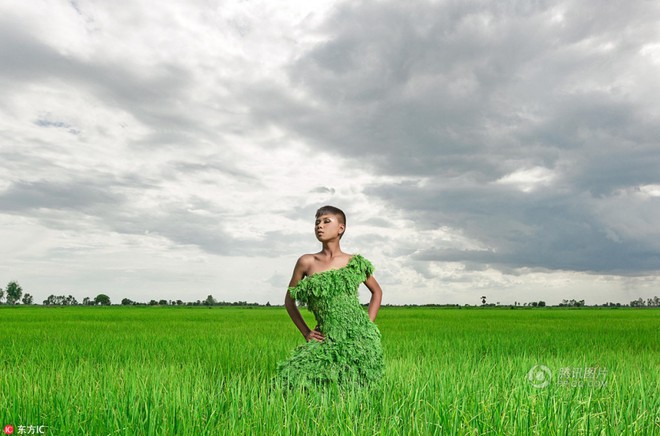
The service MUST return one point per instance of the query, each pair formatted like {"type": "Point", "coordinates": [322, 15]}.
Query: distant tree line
{"type": "Point", "coordinates": [571, 303]}
{"type": "Point", "coordinates": [650, 302]}
{"type": "Point", "coordinates": [13, 294]}
{"type": "Point", "coordinates": [209, 301]}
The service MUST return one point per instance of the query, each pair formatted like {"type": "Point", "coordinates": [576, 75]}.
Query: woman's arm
{"type": "Point", "coordinates": [292, 309]}
{"type": "Point", "coordinates": [376, 297]}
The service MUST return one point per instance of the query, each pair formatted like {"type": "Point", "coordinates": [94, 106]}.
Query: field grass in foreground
{"type": "Point", "coordinates": [201, 371]}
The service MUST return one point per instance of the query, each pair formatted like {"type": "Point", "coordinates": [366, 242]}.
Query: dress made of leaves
{"type": "Point", "coordinates": [351, 352]}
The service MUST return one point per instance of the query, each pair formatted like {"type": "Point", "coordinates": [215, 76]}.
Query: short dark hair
{"type": "Point", "coordinates": [331, 210]}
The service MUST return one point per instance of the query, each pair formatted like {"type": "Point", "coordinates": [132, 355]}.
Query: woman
{"type": "Point", "coordinates": [344, 347]}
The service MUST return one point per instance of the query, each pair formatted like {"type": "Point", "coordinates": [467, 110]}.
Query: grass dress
{"type": "Point", "coordinates": [351, 352]}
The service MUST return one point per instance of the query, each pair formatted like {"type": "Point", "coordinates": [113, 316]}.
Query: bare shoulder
{"type": "Point", "coordinates": [305, 262]}
{"type": "Point", "coordinates": [301, 269]}
{"type": "Point", "coordinates": [306, 259]}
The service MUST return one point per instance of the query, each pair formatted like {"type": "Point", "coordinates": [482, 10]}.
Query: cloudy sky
{"type": "Point", "coordinates": [176, 149]}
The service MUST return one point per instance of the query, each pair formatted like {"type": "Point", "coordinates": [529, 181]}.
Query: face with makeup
{"type": "Point", "coordinates": [328, 227]}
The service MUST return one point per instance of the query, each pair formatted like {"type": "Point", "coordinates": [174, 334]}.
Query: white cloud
{"type": "Point", "coordinates": [527, 180]}
{"type": "Point", "coordinates": [652, 51]}
{"type": "Point", "coordinates": [650, 190]}
{"type": "Point", "coordinates": [182, 150]}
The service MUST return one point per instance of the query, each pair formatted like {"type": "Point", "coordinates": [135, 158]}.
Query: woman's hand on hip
{"type": "Point", "coordinates": [315, 335]}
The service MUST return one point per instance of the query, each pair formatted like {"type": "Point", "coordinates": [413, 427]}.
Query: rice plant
{"type": "Point", "coordinates": [194, 370]}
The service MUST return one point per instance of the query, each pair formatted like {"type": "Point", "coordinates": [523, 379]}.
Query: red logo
{"type": "Point", "coordinates": [9, 429]}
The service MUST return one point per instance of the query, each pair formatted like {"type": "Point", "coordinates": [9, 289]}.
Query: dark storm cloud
{"type": "Point", "coordinates": [158, 96]}
{"type": "Point", "coordinates": [545, 230]}
{"type": "Point", "coordinates": [57, 124]}
{"type": "Point", "coordinates": [212, 166]}
{"type": "Point", "coordinates": [211, 233]}
{"type": "Point", "coordinates": [152, 98]}
{"type": "Point", "coordinates": [113, 202]}
{"type": "Point", "coordinates": [81, 195]}
{"type": "Point", "coordinates": [462, 95]}
{"type": "Point", "coordinates": [323, 190]}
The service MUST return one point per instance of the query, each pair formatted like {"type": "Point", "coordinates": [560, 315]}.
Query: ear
{"type": "Point", "coordinates": [342, 227]}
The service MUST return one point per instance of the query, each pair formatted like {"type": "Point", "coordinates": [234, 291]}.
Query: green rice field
{"type": "Point", "coordinates": [207, 371]}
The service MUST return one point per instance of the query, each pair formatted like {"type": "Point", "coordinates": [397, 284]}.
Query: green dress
{"type": "Point", "coordinates": [351, 352]}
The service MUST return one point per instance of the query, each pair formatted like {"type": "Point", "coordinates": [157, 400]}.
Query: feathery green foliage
{"type": "Point", "coordinates": [351, 352]}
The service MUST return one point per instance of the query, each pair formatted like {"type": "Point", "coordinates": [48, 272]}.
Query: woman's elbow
{"type": "Point", "coordinates": [288, 301]}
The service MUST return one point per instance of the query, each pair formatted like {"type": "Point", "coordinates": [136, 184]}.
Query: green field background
{"type": "Point", "coordinates": [207, 371]}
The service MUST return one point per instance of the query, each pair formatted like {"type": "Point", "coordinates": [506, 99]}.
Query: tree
{"type": "Point", "coordinates": [102, 299]}
{"type": "Point", "coordinates": [483, 300]}
{"type": "Point", "coordinates": [571, 303]}
{"type": "Point", "coordinates": [61, 300]}
{"type": "Point", "coordinates": [14, 292]}
{"type": "Point", "coordinates": [541, 303]}
{"type": "Point", "coordinates": [635, 303]}
{"type": "Point", "coordinates": [210, 301]}
{"type": "Point", "coordinates": [27, 299]}
{"type": "Point", "coordinates": [162, 302]}
{"type": "Point", "coordinates": [2, 294]}
{"type": "Point", "coordinates": [126, 302]}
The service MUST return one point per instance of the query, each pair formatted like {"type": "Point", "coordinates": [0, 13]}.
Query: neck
{"type": "Point", "coordinates": [331, 248]}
